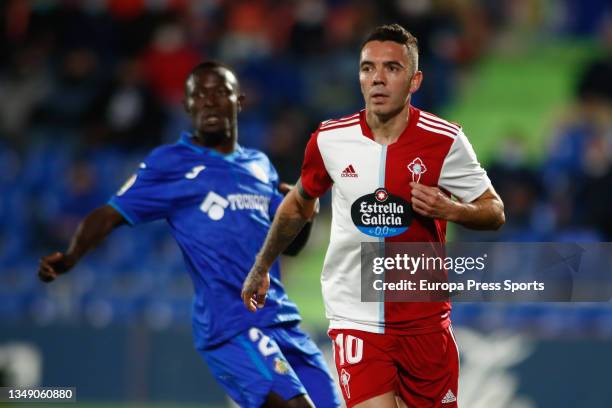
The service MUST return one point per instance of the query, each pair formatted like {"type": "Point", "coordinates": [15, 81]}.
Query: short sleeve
{"type": "Point", "coordinates": [461, 174]}
{"type": "Point", "coordinates": [314, 178]}
{"type": "Point", "coordinates": [277, 197]}
{"type": "Point", "coordinates": [145, 196]}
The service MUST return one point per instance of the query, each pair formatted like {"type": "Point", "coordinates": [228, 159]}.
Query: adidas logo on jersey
{"type": "Point", "coordinates": [349, 172]}
{"type": "Point", "coordinates": [449, 397]}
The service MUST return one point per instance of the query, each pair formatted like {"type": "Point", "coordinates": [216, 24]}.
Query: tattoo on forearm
{"type": "Point", "coordinates": [282, 233]}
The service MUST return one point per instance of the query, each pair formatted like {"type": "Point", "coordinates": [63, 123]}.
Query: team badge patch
{"type": "Point", "coordinates": [258, 172]}
{"type": "Point", "coordinates": [381, 214]}
{"type": "Point", "coordinates": [281, 366]}
{"type": "Point", "coordinates": [417, 168]}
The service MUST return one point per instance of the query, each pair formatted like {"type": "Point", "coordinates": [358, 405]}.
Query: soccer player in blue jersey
{"type": "Point", "coordinates": [218, 199]}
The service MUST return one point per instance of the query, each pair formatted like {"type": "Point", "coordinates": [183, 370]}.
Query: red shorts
{"type": "Point", "coordinates": [422, 369]}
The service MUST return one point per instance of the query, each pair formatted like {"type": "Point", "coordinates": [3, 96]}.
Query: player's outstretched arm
{"type": "Point", "coordinates": [300, 241]}
{"type": "Point", "coordinates": [92, 230]}
{"type": "Point", "coordinates": [293, 213]}
{"type": "Point", "coordinates": [484, 213]}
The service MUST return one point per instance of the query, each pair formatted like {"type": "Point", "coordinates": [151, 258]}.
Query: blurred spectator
{"type": "Point", "coordinates": [28, 83]}
{"type": "Point", "coordinates": [594, 85]}
{"type": "Point", "coordinates": [285, 143]}
{"type": "Point", "coordinates": [517, 184]}
{"type": "Point", "coordinates": [167, 62]}
{"type": "Point", "coordinates": [594, 193]}
{"type": "Point", "coordinates": [127, 107]}
{"type": "Point", "coordinates": [72, 94]}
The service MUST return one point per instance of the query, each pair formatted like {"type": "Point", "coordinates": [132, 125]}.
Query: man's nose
{"type": "Point", "coordinates": [379, 77]}
{"type": "Point", "coordinates": [209, 100]}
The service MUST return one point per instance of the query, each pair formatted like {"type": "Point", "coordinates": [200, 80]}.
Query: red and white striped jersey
{"type": "Point", "coordinates": [342, 155]}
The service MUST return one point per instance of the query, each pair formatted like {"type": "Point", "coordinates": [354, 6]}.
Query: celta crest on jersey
{"type": "Point", "coordinates": [417, 168]}
{"type": "Point", "coordinates": [381, 214]}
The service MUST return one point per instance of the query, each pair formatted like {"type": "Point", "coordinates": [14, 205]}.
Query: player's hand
{"type": "Point", "coordinates": [284, 188]}
{"type": "Point", "coordinates": [51, 266]}
{"type": "Point", "coordinates": [255, 288]}
{"type": "Point", "coordinates": [432, 202]}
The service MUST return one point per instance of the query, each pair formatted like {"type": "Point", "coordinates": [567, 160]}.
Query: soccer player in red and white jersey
{"type": "Point", "coordinates": [387, 354]}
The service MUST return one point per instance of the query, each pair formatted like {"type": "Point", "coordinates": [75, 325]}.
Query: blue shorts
{"type": "Point", "coordinates": [279, 359]}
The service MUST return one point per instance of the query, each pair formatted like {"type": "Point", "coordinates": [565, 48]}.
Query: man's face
{"type": "Point", "coordinates": [387, 77]}
{"type": "Point", "coordinates": [212, 100]}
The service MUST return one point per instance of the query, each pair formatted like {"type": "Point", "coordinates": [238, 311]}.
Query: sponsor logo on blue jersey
{"type": "Point", "coordinates": [215, 205]}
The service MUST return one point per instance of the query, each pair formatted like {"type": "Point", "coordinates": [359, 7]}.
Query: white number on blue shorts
{"type": "Point", "coordinates": [265, 346]}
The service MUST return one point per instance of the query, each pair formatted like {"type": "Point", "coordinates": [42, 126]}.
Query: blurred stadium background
{"type": "Point", "coordinates": [88, 87]}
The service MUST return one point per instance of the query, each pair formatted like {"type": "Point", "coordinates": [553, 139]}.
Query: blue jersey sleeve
{"type": "Point", "coordinates": [148, 195]}
{"type": "Point", "coordinates": [277, 197]}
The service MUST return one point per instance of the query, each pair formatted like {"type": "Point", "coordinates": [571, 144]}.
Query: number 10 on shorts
{"type": "Point", "coordinates": [350, 349]}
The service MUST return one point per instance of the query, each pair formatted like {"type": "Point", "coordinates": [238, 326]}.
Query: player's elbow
{"type": "Point", "coordinates": [499, 218]}
{"type": "Point", "coordinates": [499, 222]}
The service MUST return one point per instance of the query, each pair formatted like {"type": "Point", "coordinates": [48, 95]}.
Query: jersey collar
{"type": "Point", "coordinates": [413, 119]}
{"type": "Point", "coordinates": [187, 140]}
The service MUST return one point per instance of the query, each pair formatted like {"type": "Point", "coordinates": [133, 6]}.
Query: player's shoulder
{"type": "Point", "coordinates": [345, 123]}
{"type": "Point", "coordinates": [435, 125]}
{"type": "Point", "coordinates": [167, 155]}
{"type": "Point", "coordinates": [258, 158]}
{"type": "Point", "coordinates": [250, 153]}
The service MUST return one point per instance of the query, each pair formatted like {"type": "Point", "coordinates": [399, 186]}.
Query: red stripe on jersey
{"type": "Point", "coordinates": [416, 317]}
{"type": "Point", "coordinates": [438, 125]}
{"type": "Point", "coordinates": [435, 118]}
{"type": "Point", "coordinates": [325, 129]}
{"type": "Point", "coordinates": [314, 178]}
{"type": "Point", "coordinates": [437, 130]}
{"type": "Point", "coordinates": [342, 119]}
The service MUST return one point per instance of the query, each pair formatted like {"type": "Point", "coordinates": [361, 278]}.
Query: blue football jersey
{"type": "Point", "coordinates": [219, 209]}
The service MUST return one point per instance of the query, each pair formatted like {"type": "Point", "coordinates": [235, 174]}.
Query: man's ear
{"type": "Point", "coordinates": [185, 106]}
{"type": "Point", "coordinates": [415, 82]}
{"type": "Point", "coordinates": [241, 99]}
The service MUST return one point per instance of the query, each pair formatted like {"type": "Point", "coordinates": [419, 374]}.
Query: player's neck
{"type": "Point", "coordinates": [224, 144]}
{"type": "Point", "coordinates": [387, 129]}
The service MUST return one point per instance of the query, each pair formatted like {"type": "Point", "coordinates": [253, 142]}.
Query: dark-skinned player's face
{"type": "Point", "coordinates": [212, 101]}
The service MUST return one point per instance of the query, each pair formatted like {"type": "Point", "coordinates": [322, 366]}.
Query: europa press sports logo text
{"type": "Point", "coordinates": [381, 214]}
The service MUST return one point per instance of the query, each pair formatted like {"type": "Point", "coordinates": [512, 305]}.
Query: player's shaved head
{"type": "Point", "coordinates": [397, 34]}
{"type": "Point", "coordinates": [213, 100]}
{"type": "Point", "coordinates": [222, 69]}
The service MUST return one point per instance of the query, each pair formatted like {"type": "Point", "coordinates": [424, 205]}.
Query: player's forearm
{"type": "Point", "coordinates": [483, 214]}
{"type": "Point", "coordinates": [289, 220]}
{"type": "Point", "coordinates": [300, 241]}
{"type": "Point", "coordinates": [92, 230]}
